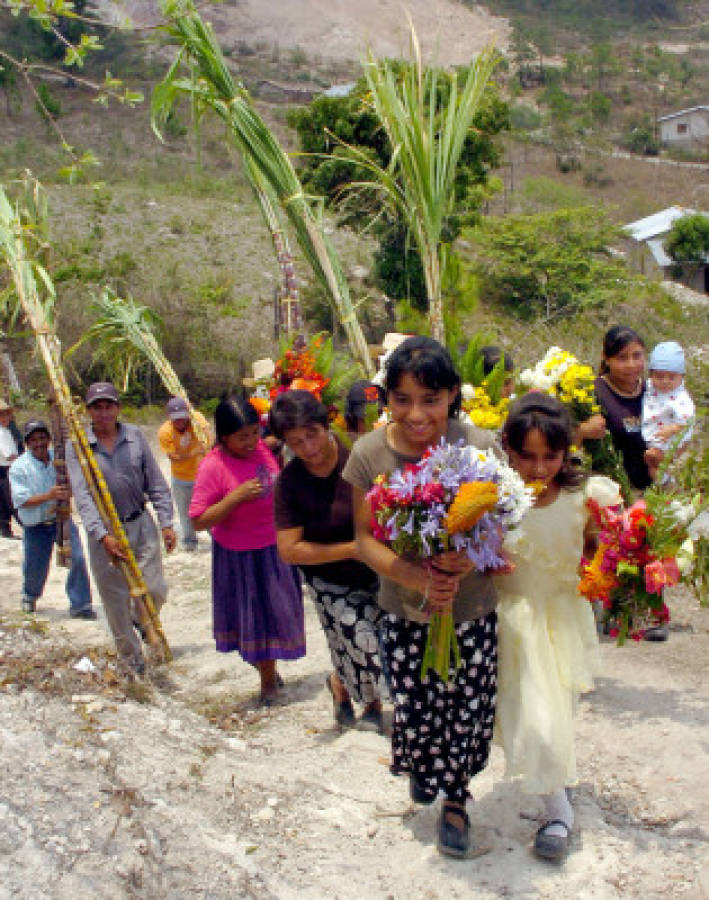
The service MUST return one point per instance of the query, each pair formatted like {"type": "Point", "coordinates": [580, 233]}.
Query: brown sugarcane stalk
{"type": "Point", "coordinates": [12, 247]}
{"type": "Point", "coordinates": [63, 507]}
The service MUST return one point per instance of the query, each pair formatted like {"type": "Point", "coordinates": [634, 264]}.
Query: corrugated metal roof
{"type": "Point", "coordinates": [657, 223]}
{"type": "Point", "coordinates": [683, 112]}
{"type": "Point", "coordinates": [659, 253]}
{"type": "Point", "coordinates": [340, 90]}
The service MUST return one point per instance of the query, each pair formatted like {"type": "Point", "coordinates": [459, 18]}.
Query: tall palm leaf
{"type": "Point", "coordinates": [427, 115]}
{"type": "Point", "coordinates": [123, 336]}
{"type": "Point", "coordinates": [209, 79]}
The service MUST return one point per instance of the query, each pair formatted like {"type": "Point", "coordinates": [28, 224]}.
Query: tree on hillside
{"type": "Point", "coordinates": [549, 263]}
{"type": "Point", "coordinates": [342, 135]}
{"type": "Point", "coordinates": [688, 242]}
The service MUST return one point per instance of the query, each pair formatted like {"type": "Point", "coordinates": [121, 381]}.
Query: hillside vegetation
{"type": "Point", "coordinates": [180, 231]}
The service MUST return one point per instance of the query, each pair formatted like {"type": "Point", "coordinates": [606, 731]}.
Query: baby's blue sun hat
{"type": "Point", "coordinates": [667, 357]}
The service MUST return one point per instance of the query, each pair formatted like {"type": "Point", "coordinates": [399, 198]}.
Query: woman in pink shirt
{"type": "Point", "coordinates": [257, 601]}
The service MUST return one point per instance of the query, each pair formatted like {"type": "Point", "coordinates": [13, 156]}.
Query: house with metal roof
{"type": "Point", "coordinates": [645, 252]}
{"type": "Point", "coordinates": [686, 128]}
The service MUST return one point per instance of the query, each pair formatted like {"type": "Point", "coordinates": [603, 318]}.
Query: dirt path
{"type": "Point", "coordinates": [186, 788]}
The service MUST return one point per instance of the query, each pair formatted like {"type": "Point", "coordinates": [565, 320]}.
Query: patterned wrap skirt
{"type": "Point", "coordinates": [257, 604]}
{"type": "Point", "coordinates": [349, 618]}
{"type": "Point", "coordinates": [441, 731]}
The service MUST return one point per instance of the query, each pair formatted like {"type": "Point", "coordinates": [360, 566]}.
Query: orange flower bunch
{"type": "Point", "coordinates": [473, 500]}
{"type": "Point", "coordinates": [297, 370]}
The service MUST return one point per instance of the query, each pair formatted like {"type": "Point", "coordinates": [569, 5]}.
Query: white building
{"type": "Point", "coordinates": [686, 128]}
{"type": "Point", "coordinates": [645, 248]}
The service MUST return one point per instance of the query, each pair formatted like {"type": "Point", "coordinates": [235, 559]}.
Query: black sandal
{"type": "Point", "coordinates": [552, 846]}
{"type": "Point", "coordinates": [453, 841]}
{"type": "Point", "coordinates": [343, 710]}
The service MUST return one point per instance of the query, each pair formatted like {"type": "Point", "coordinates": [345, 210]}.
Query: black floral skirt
{"type": "Point", "coordinates": [349, 618]}
{"type": "Point", "coordinates": [441, 731]}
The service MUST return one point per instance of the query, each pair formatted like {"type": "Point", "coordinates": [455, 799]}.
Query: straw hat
{"type": "Point", "coordinates": [262, 370]}
{"type": "Point", "coordinates": [392, 339]}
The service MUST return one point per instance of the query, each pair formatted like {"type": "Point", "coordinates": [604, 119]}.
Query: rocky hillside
{"type": "Point", "coordinates": [340, 29]}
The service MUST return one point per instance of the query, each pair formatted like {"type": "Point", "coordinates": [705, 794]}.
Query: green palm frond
{"type": "Point", "coordinates": [23, 223]}
{"type": "Point", "coordinates": [209, 80]}
{"type": "Point", "coordinates": [427, 115]}
{"type": "Point", "coordinates": [122, 337]}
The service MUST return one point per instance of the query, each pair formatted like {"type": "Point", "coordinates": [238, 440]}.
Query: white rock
{"type": "Point", "coordinates": [263, 815]}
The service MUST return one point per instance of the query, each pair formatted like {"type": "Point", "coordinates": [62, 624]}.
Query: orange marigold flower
{"type": "Point", "coordinates": [472, 501]}
{"type": "Point", "coordinates": [260, 404]}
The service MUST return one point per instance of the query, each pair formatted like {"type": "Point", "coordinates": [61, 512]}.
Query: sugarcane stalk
{"type": "Point", "coordinates": [215, 88]}
{"type": "Point", "coordinates": [38, 318]}
{"type": "Point", "coordinates": [63, 507]}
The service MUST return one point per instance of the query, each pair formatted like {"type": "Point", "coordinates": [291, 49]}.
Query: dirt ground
{"type": "Point", "coordinates": [184, 787]}
{"type": "Point", "coordinates": [340, 29]}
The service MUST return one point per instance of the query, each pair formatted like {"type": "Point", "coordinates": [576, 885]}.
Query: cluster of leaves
{"type": "Point", "coordinates": [550, 262]}
{"type": "Point", "coordinates": [688, 241]}
{"type": "Point", "coordinates": [338, 135]}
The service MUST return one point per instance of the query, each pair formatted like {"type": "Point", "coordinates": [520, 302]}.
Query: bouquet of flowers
{"type": "Point", "coordinates": [560, 374]}
{"type": "Point", "coordinates": [480, 408]}
{"type": "Point", "coordinates": [641, 551]}
{"type": "Point", "coordinates": [455, 498]}
{"type": "Point", "coordinates": [297, 369]}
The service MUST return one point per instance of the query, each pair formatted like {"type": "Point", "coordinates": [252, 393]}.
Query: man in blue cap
{"type": "Point", "coordinates": [35, 492]}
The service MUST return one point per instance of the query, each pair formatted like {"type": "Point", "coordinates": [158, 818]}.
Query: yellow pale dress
{"type": "Point", "coordinates": [548, 646]}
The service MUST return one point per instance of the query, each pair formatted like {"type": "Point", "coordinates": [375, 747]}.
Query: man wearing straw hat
{"type": "Point", "coordinates": [131, 474]}
{"type": "Point", "coordinates": [10, 449]}
{"type": "Point", "coordinates": [35, 493]}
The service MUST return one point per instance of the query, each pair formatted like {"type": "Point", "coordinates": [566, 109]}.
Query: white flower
{"type": "Point", "coordinates": [685, 557]}
{"type": "Point", "coordinates": [467, 391]}
{"type": "Point", "coordinates": [683, 512]}
{"type": "Point", "coordinates": [604, 491]}
{"type": "Point", "coordinates": [699, 528]}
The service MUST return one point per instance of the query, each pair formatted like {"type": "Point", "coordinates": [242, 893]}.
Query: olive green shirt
{"type": "Point", "coordinates": [372, 455]}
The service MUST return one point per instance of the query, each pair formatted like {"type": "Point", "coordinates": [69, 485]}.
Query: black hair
{"type": "Point", "coordinates": [296, 409]}
{"type": "Point", "coordinates": [429, 363]}
{"type": "Point", "coordinates": [615, 340]}
{"type": "Point", "coordinates": [356, 401]}
{"type": "Point", "coordinates": [232, 414]}
{"type": "Point", "coordinates": [549, 416]}
{"type": "Point", "coordinates": [491, 357]}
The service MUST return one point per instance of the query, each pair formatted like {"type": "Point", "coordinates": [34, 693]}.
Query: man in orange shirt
{"type": "Point", "coordinates": [179, 442]}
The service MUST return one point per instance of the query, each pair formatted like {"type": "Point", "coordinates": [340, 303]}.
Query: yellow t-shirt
{"type": "Point", "coordinates": [184, 446]}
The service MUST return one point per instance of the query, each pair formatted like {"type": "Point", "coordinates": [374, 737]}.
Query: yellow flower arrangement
{"type": "Point", "coordinates": [560, 374]}
{"type": "Point", "coordinates": [482, 411]}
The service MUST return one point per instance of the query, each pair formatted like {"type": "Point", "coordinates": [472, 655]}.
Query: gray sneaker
{"type": "Point", "coordinates": [29, 605]}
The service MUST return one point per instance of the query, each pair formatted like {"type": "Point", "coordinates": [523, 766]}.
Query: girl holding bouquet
{"type": "Point", "coordinates": [441, 729]}
{"type": "Point", "coordinates": [547, 635]}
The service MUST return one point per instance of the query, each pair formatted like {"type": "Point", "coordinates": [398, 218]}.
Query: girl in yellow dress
{"type": "Point", "coordinates": [548, 646]}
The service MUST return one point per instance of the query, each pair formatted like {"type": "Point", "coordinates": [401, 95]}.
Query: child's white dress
{"type": "Point", "coordinates": [548, 646]}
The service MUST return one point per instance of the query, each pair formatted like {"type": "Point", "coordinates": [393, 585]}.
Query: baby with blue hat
{"type": "Point", "coordinates": [667, 407]}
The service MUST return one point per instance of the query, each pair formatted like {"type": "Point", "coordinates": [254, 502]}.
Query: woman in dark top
{"type": "Point", "coordinates": [315, 531]}
{"type": "Point", "coordinates": [619, 388]}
